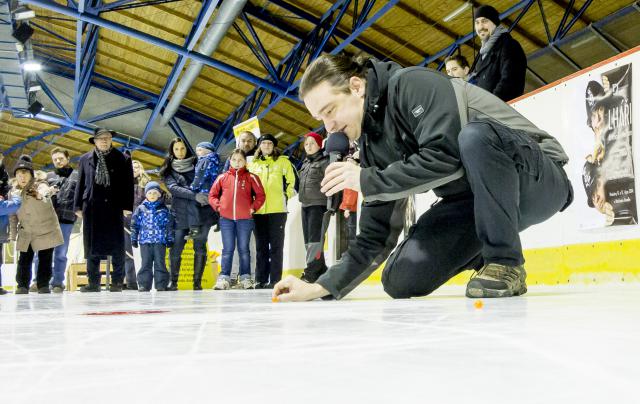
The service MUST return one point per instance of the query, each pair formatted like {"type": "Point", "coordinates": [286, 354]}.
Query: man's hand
{"type": "Point", "coordinates": [339, 176]}
{"type": "Point", "coordinates": [292, 289]}
{"type": "Point", "coordinates": [79, 214]}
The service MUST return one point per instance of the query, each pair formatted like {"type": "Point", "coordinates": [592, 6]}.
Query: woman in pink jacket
{"type": "Point", "coordinates": [236, 195]}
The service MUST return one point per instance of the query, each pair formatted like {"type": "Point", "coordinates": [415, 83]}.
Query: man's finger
{"type": "Point", "coordinates": [331, 172]}
{"type": "Point", "coordinates": [334, 186]}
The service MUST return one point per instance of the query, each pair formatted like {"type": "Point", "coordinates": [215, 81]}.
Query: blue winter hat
{"type": "Point", "coordinates": [207, 145]}
{"type": "Point", "coordinates": [152, 185]}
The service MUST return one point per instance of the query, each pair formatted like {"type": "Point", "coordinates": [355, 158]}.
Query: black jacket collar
{"type": "Point", "coordinates": [375, 101]}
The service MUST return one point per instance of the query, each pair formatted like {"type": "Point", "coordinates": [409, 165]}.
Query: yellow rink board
{"type": "Point", "coordinates": [613, 261]}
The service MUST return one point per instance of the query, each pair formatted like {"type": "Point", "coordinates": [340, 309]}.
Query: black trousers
{"type": "Point", "coordinates": [116, 270]}
{"type": "Point", "coordinates": [513, 185]}
{"type": "Point", "coordinates": [43, 275]}
{"type": "Point", "coordinates": [269, 232]}
{"type": "Point", "coordinates": [312, 232]}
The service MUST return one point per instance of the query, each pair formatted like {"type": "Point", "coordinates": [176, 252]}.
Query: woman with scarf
{"type": "Point", "coordinates": [178, 172]}
{"type": "Point", "coordinates": [103, 196]}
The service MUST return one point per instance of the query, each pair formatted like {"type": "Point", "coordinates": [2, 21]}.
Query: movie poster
{"type": "Point", "coordinates": [605, 143]}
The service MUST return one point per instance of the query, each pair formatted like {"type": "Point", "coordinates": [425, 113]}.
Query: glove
{"type": "Point", "coordinates": [134, 244]}
{"type": "Point", "coordinates": [202, 199]}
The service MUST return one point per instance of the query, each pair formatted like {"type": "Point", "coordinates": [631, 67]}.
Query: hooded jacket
{"type": "Point", "coordinates": [278, 179]}
{"type": "Point", "coordinates": [235, 193]}
{"type": "Point", "coordinates": [152, 223]}
{"type": "Point", "coordinates": [409, 145]}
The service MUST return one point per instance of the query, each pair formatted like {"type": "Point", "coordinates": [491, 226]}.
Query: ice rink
{"type": "Point", "coordinates": [564, 344]}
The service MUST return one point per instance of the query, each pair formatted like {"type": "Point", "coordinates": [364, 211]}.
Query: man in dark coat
{"type": "Point", "coordinates": [501, 66]}
{"type": "Point", "coordinates": [104, 192]}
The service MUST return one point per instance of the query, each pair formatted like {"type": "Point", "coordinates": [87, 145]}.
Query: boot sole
{"type": "Point", "coordinates": [494, 293]}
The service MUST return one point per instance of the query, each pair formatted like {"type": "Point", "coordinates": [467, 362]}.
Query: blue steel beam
{"type": "Point", "coordinates": [52, 96]}
{"type": "Point", "coordinates": [85, 59]}
{"type": "Point", "coordinates": [339, 48]}
{"type": "Point", "coordinates": [62, 129]}
{"type": "Point", "coordinates": [62, 68]}
{"type": "Point", "coordinates": [129, 109]}
{"type": "Point", "coordinates": [575, 18]}
{"type": "Point", "coordinates": [277, 88]}
{"type": "Point", "coordinates": [199, 25]}
{"type": "Point", "coordinates": [288, 67]}
{"type": "Point", "coordinates": [48, 31]}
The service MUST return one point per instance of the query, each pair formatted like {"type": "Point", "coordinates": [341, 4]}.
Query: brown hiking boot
{"type": "Point", "coordinates": [495, 280]}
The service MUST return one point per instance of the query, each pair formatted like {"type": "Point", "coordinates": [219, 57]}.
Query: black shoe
{"type": "Point", "coordinates": [115, 287]}
{"type": "Point", "coordinates": [172, 287]}
{"type": "Point", "coordinates": [161, 289]}
{"type": "Point", "coordinates": [3, 292]}
{"type": "Point", "coordinates": [197, 287]}
{"type": "Point", "coordinates": [310, 275]}
{"type": "Point", "coordinates": [90, 288]}
{"type": "Point", "coordinates": [269, 286]}
{"type": "Point", "coordinates": [199, 262]}
{"type": "Point", "coordinates": [141, 289]}
{"type": "Point", "coordinates": [264, 286]}
{"type": "Point", "coordinates": [44, 290]}
{"type": "Point", "coordinates": [21, 291]}
{"type": "Point", "coordinates": [130, 286]}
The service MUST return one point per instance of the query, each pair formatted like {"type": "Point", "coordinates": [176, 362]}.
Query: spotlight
{"type": "Point", "coordinates": [23, 32]}
{"type": "Point", "coordinates": [31, 66]}
{"type": "Point", "coordinates": [35, 108]}
{"type": "Point", "coordinates": [23, 13]}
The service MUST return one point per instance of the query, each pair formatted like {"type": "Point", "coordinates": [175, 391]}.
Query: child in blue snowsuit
{"type": "Point", "coordinates": [206, 173]}
{"type": "Point", "coordinates": [7, 207]}
{"type": "Point", "coordinates": [152, 226]}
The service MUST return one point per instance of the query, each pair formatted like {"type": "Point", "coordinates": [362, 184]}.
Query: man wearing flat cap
{"type": "Point", "coordinates": [103, 194]}
{"type": "Point", "coordinates": [501, 65]}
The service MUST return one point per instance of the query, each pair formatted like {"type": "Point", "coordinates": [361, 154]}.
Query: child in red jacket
{"type": "Point", "coordinates": [236, 195]}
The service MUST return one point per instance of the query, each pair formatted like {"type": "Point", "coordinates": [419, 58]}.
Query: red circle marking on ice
{"type": "Point", "coordinates": [125, 313]}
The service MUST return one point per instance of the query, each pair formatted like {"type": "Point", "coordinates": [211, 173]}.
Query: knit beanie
{"type": "Point", "coordinates": [487, 12]}
{"type": "Point", "coordinates": [24, 163]}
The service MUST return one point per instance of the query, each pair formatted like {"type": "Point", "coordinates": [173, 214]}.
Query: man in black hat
{"type": "Point", "coordinates": [501, 66]}
{"type": "Point", "coordinates": [103, 194]}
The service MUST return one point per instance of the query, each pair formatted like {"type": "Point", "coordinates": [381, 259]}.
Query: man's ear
{"type": "Point", "coordinates": [357, 86]}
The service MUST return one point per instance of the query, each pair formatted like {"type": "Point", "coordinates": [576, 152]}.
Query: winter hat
{"type": "Point", "coordinates": [268, 136]}
{"type": "Point", "coordinates": [24, 163]}
{"type": "Point", "coordinates": [97, 132]}
{"type": "Point", "coordinates": [487, 12]}
{"type": "Point", "coordinates": [207, 145]}
{"type": "Point", "coordinates": [315, 137]}
{"type": "Point", "coordinates": [151, 185]}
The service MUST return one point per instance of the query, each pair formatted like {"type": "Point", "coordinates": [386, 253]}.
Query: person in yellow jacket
{"type": "Point", "coordinates": [278, 178]}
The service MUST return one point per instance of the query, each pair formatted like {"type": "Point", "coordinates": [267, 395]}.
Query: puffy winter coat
{"type": "Point", "coordinates": [311, 175]}
{"type": "Point", "coordinates": [152, 223]}
{"type": "Point", "coordinates": [206, 172]}
{"type": "Point", "coordinates": [8, 207]}
{"type": "Point", "coordinates": [235, 193]}
{"type": "Point", "coordinates": [278, 179]}
{"type": "Point", "coordinates": [182, 197]}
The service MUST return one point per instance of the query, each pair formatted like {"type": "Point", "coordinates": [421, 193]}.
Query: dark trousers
{"type": "Point", "coordinates": [43, 275]}
{"type": "Point", "coordinates": [153, 266]}
{"type": "Point", "coordinates": [514, 185]}
{"type": "Point", "coordinates": [116, 270]}
{"type": "Point", "coordinates": [199, 249]}
{"type": "Point", "coordinates": [1, 262]}
{"type": "Point", "coordinates": [269, 232]}
{"type": "Point", "coordinates": [129, 265]}
{"type": "Point", "coordinates": [312, 233]}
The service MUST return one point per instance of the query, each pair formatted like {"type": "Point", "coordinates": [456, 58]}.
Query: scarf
{"type": "Point", "coordinates": [488, 44]}
{"type": "Point", "coordinates": [102, 171]}
{"type": "Point", "coordinates": [182, 165]}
